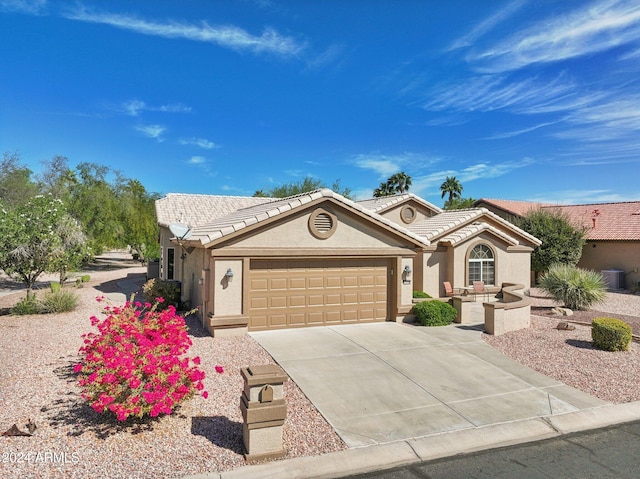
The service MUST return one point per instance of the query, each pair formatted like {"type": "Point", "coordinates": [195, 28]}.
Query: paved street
{"type": "Point", "coordinates": [609, 453]}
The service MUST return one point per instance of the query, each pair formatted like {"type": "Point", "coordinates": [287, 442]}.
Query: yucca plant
{"type": "Point", "coordinates": [577, 288]}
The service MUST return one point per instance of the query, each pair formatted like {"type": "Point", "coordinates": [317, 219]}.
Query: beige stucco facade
{"type": "Point", "coordinates": [609, 255]}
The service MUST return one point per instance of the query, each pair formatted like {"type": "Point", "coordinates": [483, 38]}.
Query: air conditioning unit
{"type": "Point", "coordinates": [613, 278]}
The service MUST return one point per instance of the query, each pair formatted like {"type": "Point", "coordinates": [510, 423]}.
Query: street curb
{"type": "Point", "coordinates": [388, 456]}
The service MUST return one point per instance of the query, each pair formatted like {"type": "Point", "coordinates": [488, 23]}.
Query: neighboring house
{"type": "Point", "coordinates": [612, 231]}
{"type": "Point", "coordinates": [320, 258]}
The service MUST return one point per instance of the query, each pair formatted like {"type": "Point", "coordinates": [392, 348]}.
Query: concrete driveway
{"type": "Point", "coordinates": [384, 382]}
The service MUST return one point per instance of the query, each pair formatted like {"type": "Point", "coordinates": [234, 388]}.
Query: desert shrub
{"type": "Point", "coordinates": [610, 334]}
{"type": "Point", "coordinates": [55, 286]}
{"type": "Point", "coordinates": [157, 288]}
{"type": "Point", "coordinates": [434, 313]}
{"type": "Point", "coordinates": [421, 294]}
{"type": "Point", "coordinates": [85, 278]}
{"type": "Point", "coordinates": [27, 305]}
{"type": "Point", "coordinates": [577, 288]}
{"type": "Point", "coordinates": [136, 364]}
{"type": "Point", "coordinates": [60, 301]}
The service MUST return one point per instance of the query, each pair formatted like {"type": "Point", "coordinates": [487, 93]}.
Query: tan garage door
{"type": "Point", "coordinates": [297, 293]}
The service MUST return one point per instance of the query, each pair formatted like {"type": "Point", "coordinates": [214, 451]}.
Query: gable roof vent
{"type": "Point", "coordinates": [408, 214]}
{"type": "Point", "coordinates": [322, 223]}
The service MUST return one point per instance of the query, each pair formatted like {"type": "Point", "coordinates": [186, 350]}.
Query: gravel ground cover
{"type": "Point", "coordinates": [37, 354]}
{"type": "Point", "coordinates": [37, 382]}
{"type": "Point", "coordinates": [568, 356]}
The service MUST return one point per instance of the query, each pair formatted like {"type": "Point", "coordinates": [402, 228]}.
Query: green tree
{"type": "Point", "coordinates": [562, 242]}
{"type": "Point", "coordinates": [58, 179]}
{"type": "Point", "coordinates": [397, 183]}
{"type": "Point", "coordinates": [458, 203]}
{"type": "Point", "coordinates": [94, 202]}
{"type": "Point", "coordinates": [28, 238]}
{"type": "Point", "coordinates": [452, 187]}
{"type": "Point", "coordinates": [16, 186]}
{"type": "Point", "coordinates": [71, 250]}
{"type": "Point", "coordinates": [139, 219]}
{"type": "Point", "coordinates": [303, 186]}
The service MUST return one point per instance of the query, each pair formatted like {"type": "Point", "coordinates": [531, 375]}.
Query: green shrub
{"type": "Point", "coordinates": [60, 301]}
{"type": "Point", "coordinates": [434, 313]}
{"type": "Point", "coordinates": [421, 294]}
{"type": "Point", "coordinates": [55, 286]}
{"type": "Point", "coordinates": [27, 305]}
{"type": "Point", "coordinates": [157, 288]}
{"type": "Point", "coordinates": [85, 278]}
{"type": "Point", "coordinates": [610, 334]}
{"type": "Point", "coordinates": [577, 288]}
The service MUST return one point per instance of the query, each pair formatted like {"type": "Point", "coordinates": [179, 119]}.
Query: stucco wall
{"type": "Point", "coordinates": [406, 290]}
{"type": "Point", "coordinates": [351, 232]}
{"type": "Point", "coordinates": [624, 255]}
{"type": "Point", "coordinates": [227, 296]}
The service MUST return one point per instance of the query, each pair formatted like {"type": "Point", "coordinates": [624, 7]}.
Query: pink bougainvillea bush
{"type": "Point", "coordinates": [136, 364]}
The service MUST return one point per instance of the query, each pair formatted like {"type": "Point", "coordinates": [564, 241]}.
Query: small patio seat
{"type": "Point", "coordinates": [449, 290]}
{"type": "Point", "coordinates": [478, 288]}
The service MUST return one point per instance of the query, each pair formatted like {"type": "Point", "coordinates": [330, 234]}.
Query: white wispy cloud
{"type": "Point", "coordinates": [495, 92]}
{"type": "Point", "coordinates": [511, 134]}
{"type": "Point", "coordinates": [199, 142]}
{"type": "Point", "coordinates": [228, 36]}
{"type": "Point", "coordinates": [387, 165]}
{"type": "Point", "coordinates": [203, 164]}
{"type": "Point", "coordinates": [487, 25]}
{"type": "Point", "coordinates": [32, 7]}
{"type": "Point", "coordinates": [430, 183]}
{"type": "Point", "coordinates": [135, 107]}
{"type": "Point", "coordinates": [152, 131]}
{"type": "Point", "coordinates": [581, 197]}
{"type": "Point", "coordinates": [591, 28]}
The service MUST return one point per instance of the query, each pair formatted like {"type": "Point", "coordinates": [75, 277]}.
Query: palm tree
{"type": "Point", "coordinates": [383, 190]}
{"type": "Point", "coordinates": [452, 187]}
{"type": "Point", "coordinates": [400, 182]}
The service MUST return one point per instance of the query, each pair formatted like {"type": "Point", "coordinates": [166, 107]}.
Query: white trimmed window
{"type": "Point", "coordinates": [482, 265]}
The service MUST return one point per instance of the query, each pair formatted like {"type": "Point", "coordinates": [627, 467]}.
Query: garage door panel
{"type": "Point", "coordinates": [297, 293]}
{"type": "Point", "coordinates": [298, 300]}
{"type": "Point", "coordinates": [298, 283]}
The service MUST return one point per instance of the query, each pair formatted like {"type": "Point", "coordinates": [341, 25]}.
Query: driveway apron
{"type": "Point", "coordinates": [383, 382]}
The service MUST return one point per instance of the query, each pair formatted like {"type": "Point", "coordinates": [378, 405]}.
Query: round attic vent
{"type": "Point", "coordinates": [408, 214]}
{"type": "Point", "coordinates": [322, 223]}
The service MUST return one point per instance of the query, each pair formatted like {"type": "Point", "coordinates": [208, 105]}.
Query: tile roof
{"type": "Point", "coordinates": [242, 218]}
{"type": "Point", "coordinates": [613, 221]}
{"type": "Point", "coordinates": [383, 203]}
{"type": "Point", "coordinates": [607, 221]}
{"type": "Point", "coordinates": [456, 225]}
{"type": "Point", "coordinates": [196, 210]}
{"type": "Point", "coordinates": [518, 208]}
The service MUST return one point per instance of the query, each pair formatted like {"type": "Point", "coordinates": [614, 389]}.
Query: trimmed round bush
{"type": "Point", "coordinates": [577, 288]}
{"type": "Point", "coordinates": [434, 313]}
{"type": "Point", "coordinates": [610, 334]}
{"type": "Point", "coordinates": [421, 294]}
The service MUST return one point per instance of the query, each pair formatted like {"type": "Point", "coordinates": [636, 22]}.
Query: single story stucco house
{"type": "Point", "coordinates": [319, 258]}
{"type": "Point", "coordinates": [612, 234]}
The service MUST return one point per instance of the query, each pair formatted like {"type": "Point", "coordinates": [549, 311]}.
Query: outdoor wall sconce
{"type": "Point", "coordinates": [406, 275]}
{"type": "Point", "coordinates": [229, 275]}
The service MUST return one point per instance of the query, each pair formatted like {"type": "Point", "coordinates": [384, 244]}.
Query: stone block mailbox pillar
{"type": "Point", "coordinates": [263, 410]}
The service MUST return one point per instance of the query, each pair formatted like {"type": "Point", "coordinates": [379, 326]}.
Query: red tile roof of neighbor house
{"type": "Point", "coordinates": [607, 221]}
{"type": "Point", "coordinates": [518, 208]}
{"type": "Point", "coordinates": [603, 221]}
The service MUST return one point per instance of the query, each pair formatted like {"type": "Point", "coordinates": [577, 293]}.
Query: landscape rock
{"type": "Point", "coordinates": [562, 311]}
{"type": "Point", "coordinates": [563, 325]}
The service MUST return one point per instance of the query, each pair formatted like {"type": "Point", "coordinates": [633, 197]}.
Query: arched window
{"type": "Point", "coordinates": [481, 265]}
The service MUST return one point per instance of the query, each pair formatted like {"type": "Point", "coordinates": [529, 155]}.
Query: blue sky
{"type": "Point", "coordinates": [526, 100]}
